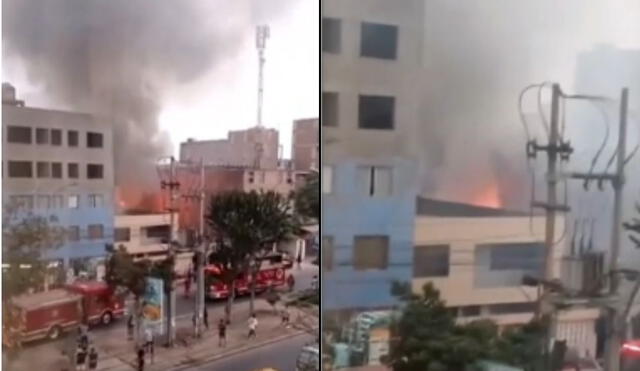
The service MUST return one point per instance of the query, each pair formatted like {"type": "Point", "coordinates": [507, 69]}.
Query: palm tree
{"type": "Point", "coordinates": [307, 198]}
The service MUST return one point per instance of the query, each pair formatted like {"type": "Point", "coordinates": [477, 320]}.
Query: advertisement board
{"type": "Point", "coordinates": [153, 306]}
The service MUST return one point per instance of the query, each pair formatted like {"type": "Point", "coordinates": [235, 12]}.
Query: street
{"type": "Point", "coordinates": [280, 356]}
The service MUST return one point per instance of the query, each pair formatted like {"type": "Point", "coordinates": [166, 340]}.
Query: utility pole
{"type": "Point", "coordinates": [173, 185]}
{"type": "Point", "coordinates": [200, 259]}
{"type": "Point", "coordinates": [614, 318]}
{"type": "Point", "coordinates": [262, 34]}
{"type": "Point", "coordinates": [555, 150]}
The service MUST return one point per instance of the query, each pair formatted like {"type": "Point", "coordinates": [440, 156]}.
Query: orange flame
{"type": "Point", "coordinates": [488, 197]}
{"type": "Point", "coordinates": [140, 200]}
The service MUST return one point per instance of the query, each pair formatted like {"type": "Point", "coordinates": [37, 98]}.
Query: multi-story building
{"type": "Point", "coordinates": [254, 147]}
{"type": "Point", "coordinates": [372, 63]}
{"type": "Point", "coordinates": [60, 164]}
{"type": "Point", "coordinates": [477, 257]}
{"type": "Point", "coordinates": [305, 144]}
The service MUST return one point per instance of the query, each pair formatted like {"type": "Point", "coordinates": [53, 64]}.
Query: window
{"type": "Point", "coordinates": [122, 235]}
{"type": "Point", "coordinates": [431, 261]}
{"type": "Point", "coordinates": [329, 109]}
{"type": "Point", "coordinates": [42, 136]}
{"type": "Point", "coordinates": [96, 231]}
{"type": "Point", "coordinates": [43, 169]}
{"type": "Point", "coordinates": [327, 253]}
{"type": "Point", "coordinates": [370, 252]}
{"type": "Point", "coordinates": [22, 202]}
{"type": "Point", "coordinates": [470, 311]}
{"type": "Point", "coordinates": [57, 202]}
{"type": "Point", "coordinates": [376, 112]}
{"type": "Point", "coordinates": [94, 171]}
{"type": "Point", "coordinates": [73, 171]}
{"type": "Point", "coordinates": [73, 202]}
{"type": "Point", "coordinates": [43, 202]}
{"type": "Point", "coordinates": [378, 40]}
{"type": "Point", "coordinates": [19, 134]}
{"type": "Point", "coordinates": [516, 256]}
{"type": "Point", "coordinates": [73, 234]}
{"type": "Point", "coordinates": [56, 170]}
{"type": "Point", "coordinates": [72, 138]}
{"type": "Point", "coordinates": [96, 201]}
{"type": "Point", "coordinates": [94, 140]}
{"type": "Point", "coordinates": [56, 137]}
{"type": "Point", "coordinates": [331, 35]}
{"type": "Point", "coordinates": [327, 179]}
{"type": "Point", "coordinates": [509, 308]}
{"type": "Point", "coordinates": [376, 181]}
{"type": "Point", "coordinates": [20, 169]}
{"type": "Point", "coordinates": [157, 233]}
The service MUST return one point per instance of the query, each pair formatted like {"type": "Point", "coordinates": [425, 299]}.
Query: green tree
{"type": "Point", "coordinates": [25, 237]}
{"type": "Point", "coordinates": [123, 272]}
{"type": "Point", "coordinates": [307, 198]}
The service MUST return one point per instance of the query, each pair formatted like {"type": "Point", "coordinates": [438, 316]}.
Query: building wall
{"type": "Point", "coordinates": [462, 286]}
{"type": "Point", "coordinates": [348, 213]}
{"type": "Point", "coordinates": [85, 214]}
{"type": "Point", "coordinates": [304, 151]}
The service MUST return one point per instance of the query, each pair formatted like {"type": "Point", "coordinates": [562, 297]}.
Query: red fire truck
{"type": "Point", "coordinates": [272, 273]}
{"type": "Point", "coordinates": [48, 314]}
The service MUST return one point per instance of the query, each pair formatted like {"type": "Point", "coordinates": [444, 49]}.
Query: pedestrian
{"type": "Point", "coordinates": [253, 325]}
{"type": "Point", "coordinates": [222, 333]}
{"type": "Point", "coordinates": [299, 259]}
{"type": "Point", "coordinates": [81, 359]}
{"type": "Point", "coordinates": [206, 317]}
{"type": "Point", "coordinates": [187, 284]}
{"type": "Point", "coordinates": [291, 282]}
{"type": "Point", "coordinates": [93, 359]}
{"type": "Point", "coordinates": [130, 327]}
{"type": "Point", "coordinates": [141, 359]}
{"type": "Point", "coordinates": [148, 344]}
{"type": "Point", "coordinates": [285, 316]}
{"type": "Point", "coordinates": [314, 282]}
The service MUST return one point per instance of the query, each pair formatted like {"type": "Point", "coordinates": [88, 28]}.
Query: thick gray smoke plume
{"type": "Point", "coordinates": [117, 58]}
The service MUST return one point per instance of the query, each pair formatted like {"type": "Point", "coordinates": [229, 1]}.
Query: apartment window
{"type": "Point", "coordinates": [42, 136]}
{"type": "Point", "coordinates": [73, 202]}
{"type": "Point", "coordinates": [327, 253]}
{"type": "Point", "coordinates": [431, 261]}
{"type": "Point", "coordinates": [516, 256]}
{"type": "Point", "coordinates": [94, 171]}
{"type": "Point", "coordinates": [329, 109]}
{"type": "Point", "coordinates": [19, 134]}
{"type": "Point", "coordinates": [96, 231]}
{"type": "Point", "coordinates": [370, 252]}
{"type": "Point", "coordinates": [96, 201]}
{"type": "Point", "coordinates": [378, 40]}
{"type": "Point", "coordinates": [22, 202]}
{"type": "Point", "coordinates": [73, 233]}
{"type": "Point", "coordinates": [57, 202]}
{"type": "Point", "coordinates": [331, 35]}
{"type": "Point", "coordinates": [43, 169]}
{"type": "Point", "coordinates": [94, 140]}
{"type": "Point", "coordinates": [158, 232]}
{"type": "Point", "coordinates": [510, 308]}
{"type": "Point", "coordinates": [72, 138]}
{"type": "Point", "coordinates": [469, 311]}
{"type": "Point", "coordinates": [56, 170]}
{"type": "Point", "coordinates": [43, 202]}
{"type": "Point", "coordinates": [122, 235]}
{"type": "Point", "coordinates": [327, 179]}
{"type": "Point", "coordinates": [73, 171]}
{"type": "Point", "coordinates": [56, 137]}
{"type": "Point", "coordinates": [376, 112]}
{"type": "Point", "coordinates": [20, 169]}
{"type": "Point", "coordinates": [376, 181]}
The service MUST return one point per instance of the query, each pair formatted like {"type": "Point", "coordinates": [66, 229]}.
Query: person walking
{"type": "Point", "coordinates": [141, 359]}
{"type": "Point", "coordinates": [206, 317]}
{"type": "Point", "coordinates": [130, 327]}
{"type": "Point", "coordinates": [93, 359]}
{"type": "Point", "coordinates": [187, 284]}
{"type": "Point", "coordinates": [253, 325]}
{"type": "Point", "coordinates": [81, 359]}
{"type": "Point", "coordinates": [299, 260]}
{"type": "Point", "coordinates": [222, 333]}
{"type": "Point", "coordinates": [285, 316]}
{"type": "Point", "coordinates": [291, 282]}
{"type": "Point", "coordinates": [148, 344]}
{"type": "Point", "coordinates": [314, 282]}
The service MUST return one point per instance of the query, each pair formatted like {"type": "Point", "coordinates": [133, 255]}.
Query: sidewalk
{"type": "Point", "coordinates": [117, 353]}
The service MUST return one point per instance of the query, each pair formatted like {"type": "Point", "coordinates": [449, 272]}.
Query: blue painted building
{"type": "Point", "coordinates": [60, 165]}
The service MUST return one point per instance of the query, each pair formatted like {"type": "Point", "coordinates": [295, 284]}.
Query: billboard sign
{"type": "Point", "coordinates": [153, 305]}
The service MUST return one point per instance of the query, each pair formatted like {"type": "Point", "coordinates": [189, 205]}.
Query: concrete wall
{"type": "Point", "coordinates": [85, 214]}
{"type": "Point", "coordinates": [306, 139]}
